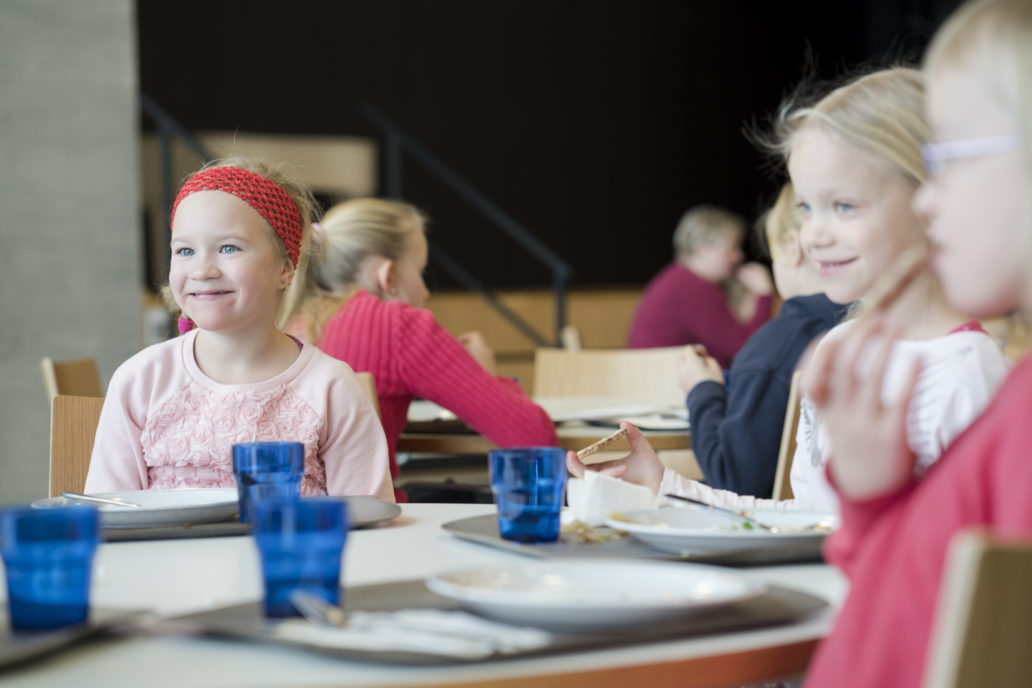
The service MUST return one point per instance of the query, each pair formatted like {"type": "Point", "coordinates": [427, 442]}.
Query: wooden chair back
{"type": "Point", "coordinates": [782, 483]}
{"type": "Point", "coordinates": [647, 375]}
{"type": "Point", "coordinates": [73, 426]}
{"type": "Point", "coordinates": [369, 385]}
{"type": "Point", "coordinates": [78, 377]}
{"type": "Point", "coordinates": [983, 624]}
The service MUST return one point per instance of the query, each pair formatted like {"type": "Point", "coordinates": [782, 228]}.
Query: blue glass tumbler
{"type": "Point", "coordinates": [300, 544]}
{"type": "Point", "coordinates": [267, 470]}
{"type": "Point", "coordinates": [528, 485]}
{"type": "Point", "coordinates": [48, 560]}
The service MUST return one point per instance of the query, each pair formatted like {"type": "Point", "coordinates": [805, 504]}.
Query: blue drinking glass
{"type": "Point", "coordinates": [267, 470]}
{"type": "Point", "coordinates": [528, 485]}
{"type": "Point", "coordinates": [300, 544]}
{"type": "Point", "coordinates": [48, 559]}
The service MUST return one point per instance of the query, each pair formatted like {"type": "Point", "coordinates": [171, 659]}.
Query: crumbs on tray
{"type": "Point", "coordinates": [581, 532]}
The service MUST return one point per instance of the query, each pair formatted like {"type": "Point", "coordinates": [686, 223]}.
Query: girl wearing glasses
{"type": "Point", "coordinates": [895, 528]}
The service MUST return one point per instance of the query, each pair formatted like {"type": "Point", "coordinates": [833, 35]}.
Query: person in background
{"type": "Point", "coordinates": [736, 430]}
{"type": "Point", "coordinates": [173, 411]}
{"type": "Point", "coordinates": [854, 158]}
{"type": "Point", "coordinates": [686, 303]}
{"type": "Point", "coordinates": [363, 303]}
{"type": "Point", "coordinates": [897, 526]}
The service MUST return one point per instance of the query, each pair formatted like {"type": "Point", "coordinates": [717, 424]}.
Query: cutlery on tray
{"type": "Point", "coordinates": [430, 631]}
{"type": "Point", "coordinates": [98, 500]}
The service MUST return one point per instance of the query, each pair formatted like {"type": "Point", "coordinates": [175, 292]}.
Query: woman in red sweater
{"type": "Point", "coordinates": [896, 528]}
{"type": "Point", "coordinates": [364, 305]}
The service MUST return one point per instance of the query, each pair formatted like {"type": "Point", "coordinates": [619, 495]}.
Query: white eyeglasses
{"type": "Point", "coordinates": [936, 155]}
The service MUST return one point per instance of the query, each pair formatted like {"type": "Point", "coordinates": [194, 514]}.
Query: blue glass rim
{"type": "Point", "coordinates": [78, 523]}
{"type": "Point", "coordinates": [250, 456]}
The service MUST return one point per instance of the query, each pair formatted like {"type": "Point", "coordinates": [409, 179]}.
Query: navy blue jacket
{"type": "Point", "coordinates": [736, 432]}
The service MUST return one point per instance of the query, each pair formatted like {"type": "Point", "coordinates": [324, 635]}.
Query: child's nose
{"type": "Point", "coordinates": [205, 267]}
{"type": "Point", "coordinates": [815, 232]}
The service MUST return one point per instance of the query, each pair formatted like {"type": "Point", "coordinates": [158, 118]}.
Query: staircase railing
{"type": "Point", "coordinates": [397, 143]}
{"type": "Point", "coordinates": [168, 130]}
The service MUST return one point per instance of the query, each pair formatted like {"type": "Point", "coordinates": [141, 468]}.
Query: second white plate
{"type": "Point", "coordinates": [694, 530]}
{"type": "Point", "coordinates": [593, 596]}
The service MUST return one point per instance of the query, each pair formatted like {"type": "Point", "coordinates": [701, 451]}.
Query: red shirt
{"type": "Point", "coordinates": [678, 307]}
{"type": "Point", "coordinates": [893, 548]}
{"type": "Point", "coordinates": [410, 356]}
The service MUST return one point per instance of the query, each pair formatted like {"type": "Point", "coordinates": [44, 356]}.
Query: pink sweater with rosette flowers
{"type": "Point", "coordinates": [165, 424]}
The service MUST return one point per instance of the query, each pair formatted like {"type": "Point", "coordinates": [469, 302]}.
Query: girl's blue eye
{"type": "Point", "coordinates": [228, 248]}
{"type": "Point", "coordinates": [841, 207]}
{"type": "Point", "coordinates": [184, 251]}
{"type": "Point", "coordinates": [803, 208]}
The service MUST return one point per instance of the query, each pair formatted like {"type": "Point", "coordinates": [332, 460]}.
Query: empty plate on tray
{"type": "Point", "coordinates": [160, 507]}
{"type": "Point", "coordinates": [593, 596]}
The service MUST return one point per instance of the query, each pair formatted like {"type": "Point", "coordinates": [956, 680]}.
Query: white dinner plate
{"type": "Point", "coordinates": [593, 596]}
{"type": "Point", "coordinates": [160, 507]}
{"type": "Point", "coordinates": [693, 530]}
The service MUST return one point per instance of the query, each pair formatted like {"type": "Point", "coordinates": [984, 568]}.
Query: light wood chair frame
{"type": "Point", "coordinates": [77, 376]}
{"type": "Point", "coordinates": [786, 452]}
{"type": "Point", "coordinates": [73, 426]}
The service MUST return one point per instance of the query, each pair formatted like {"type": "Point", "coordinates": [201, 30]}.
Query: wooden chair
{"type": "Point", "coordinates": [369, 385]}
{"type": "Point", "coordinates": [983, 624]}
{"type": "Point", "coordinates": [645, 375]}
{"type": "Point", "coordinates": [77, 377]}
{"type": "Point", "coordinates": [782, 484]}
{"type": "Point", "coordinates": [73, 425]}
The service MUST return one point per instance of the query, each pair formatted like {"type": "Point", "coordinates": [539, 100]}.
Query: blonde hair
{"type": "Point", "coordinates": [880, 114]}
{"type": "Point", "coordinates": [781, 221]}
{"type": "Point", "coordinates": [281, 175]}
{"type": "Point", "coordinates": [351, 232]}
{"type": "Point", "coordinates": [998, 33]}
{"type": "Point", "coordinates": [704, 224]}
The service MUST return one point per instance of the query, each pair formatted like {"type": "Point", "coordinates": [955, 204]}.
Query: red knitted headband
{"type": "Point", "coordinates": [265, 196]}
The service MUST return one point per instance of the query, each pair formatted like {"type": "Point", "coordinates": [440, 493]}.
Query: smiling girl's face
{"type": "Point", "coordinates": [226, 271]}
{"type": "Point", "coordinates": [856, 213]}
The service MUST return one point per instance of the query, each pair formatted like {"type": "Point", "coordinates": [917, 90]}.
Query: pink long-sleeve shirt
{"type": "Point", "coordinates": [165, 424]}
{"type": "Point", "coordinates": [893, 548]}
{"type": "Point", "coordinates": [410, 355]}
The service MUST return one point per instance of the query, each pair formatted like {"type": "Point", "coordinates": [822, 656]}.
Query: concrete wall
{"type": "Point", "coordinates": [70, 260]}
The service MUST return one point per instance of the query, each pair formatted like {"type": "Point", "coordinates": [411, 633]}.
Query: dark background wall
{"type": "Point", "coordinates": [594, 123]}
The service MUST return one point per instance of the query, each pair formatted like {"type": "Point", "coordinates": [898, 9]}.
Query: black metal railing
{"type": "Point", "coordinates": [168, 130]}
{"type": "Point", "coordinates": [397, 143]}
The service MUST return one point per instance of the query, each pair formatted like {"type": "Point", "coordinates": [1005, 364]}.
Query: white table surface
{"type": "Point", "coordinates": [181, 576]}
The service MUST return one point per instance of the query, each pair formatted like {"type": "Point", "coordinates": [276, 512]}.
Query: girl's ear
{"type": "Point", "coordinates": [384, 276]}
{"type": "Point", "coordinates": [287, 274]}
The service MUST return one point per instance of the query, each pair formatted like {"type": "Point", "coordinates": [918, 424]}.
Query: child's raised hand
{"type": "Point", "coordinates": [641, 466]}
{"type": "Point", "coordinates": [476, 345]}
{"type": "Point", "coordinates": [870, 454]}
{"type": "Point", "coordinates": [696, 366]}
{"type": "Point", "coordinates": [755, 277]}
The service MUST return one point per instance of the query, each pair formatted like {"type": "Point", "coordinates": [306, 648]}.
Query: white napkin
{"type": "Point", "coordinates": [593, 498]}
{"type": "Point", "coordinates": [431, 631]}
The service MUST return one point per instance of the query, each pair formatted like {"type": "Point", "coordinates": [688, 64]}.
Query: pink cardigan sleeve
{"type": "Point", "coordinates": [353, 448]}
{"type": "Point", "coordinates": [117, 459]}
{"type": "Point", "coordinates": [435, 366]}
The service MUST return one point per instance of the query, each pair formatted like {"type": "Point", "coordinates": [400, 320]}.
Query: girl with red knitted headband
{"type": "Point", "coordinates": [240, 232]}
